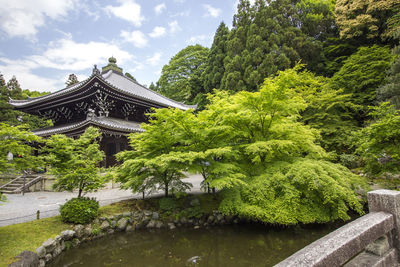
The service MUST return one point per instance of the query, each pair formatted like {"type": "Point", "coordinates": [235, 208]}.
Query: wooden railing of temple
{"type": "Point", "coordinates": [371, 240]}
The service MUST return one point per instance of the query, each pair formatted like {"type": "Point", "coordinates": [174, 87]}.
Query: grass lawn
{"type": "Point", "coordinates": [27, 236]}
{"type": "Point", "coordinates": [30, 235]}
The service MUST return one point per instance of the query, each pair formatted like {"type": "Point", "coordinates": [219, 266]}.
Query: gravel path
{"type": "Point", "coordinates": [19, 208]}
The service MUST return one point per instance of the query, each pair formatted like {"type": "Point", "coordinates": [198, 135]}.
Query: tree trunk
{"type": "Point", "coordinates": [80, 192]}
{"type": "Point", "coordinates": [166, 189]}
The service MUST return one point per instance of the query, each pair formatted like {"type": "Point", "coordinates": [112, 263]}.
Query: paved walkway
{"type": "Point", "coordinates": [19, 208]}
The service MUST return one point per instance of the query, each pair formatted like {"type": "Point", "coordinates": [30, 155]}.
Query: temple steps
{"type": "Point", "coordinates": [16, 186]}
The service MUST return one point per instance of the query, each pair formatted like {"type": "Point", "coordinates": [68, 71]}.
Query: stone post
{"type": "Point", "coordinates": [387, 201]}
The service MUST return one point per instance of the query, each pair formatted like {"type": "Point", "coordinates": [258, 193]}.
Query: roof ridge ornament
{"type": "Point", "coordinates": [95, 71]}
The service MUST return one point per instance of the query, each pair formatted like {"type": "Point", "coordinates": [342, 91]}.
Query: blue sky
{"type": "Point", "coordinates": [43, 41]}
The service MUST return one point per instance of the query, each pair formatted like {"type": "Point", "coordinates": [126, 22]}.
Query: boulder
{"type": "Point", "coordinates": [127, 214]}
{"type": "Point", "coordinates": [147, 213]}
{"type": "Point", "coordinates": [195, 202]}
{"type": "Point", "coordinates": [79, 230]}
{"type": "Point", "coordinates": [122, 223]}
{"type": "Point", "coordinates": [42, 263]}
{"type": "Point", "coordinates": [57, 251]}
{"type": "Point", "coordinates": [48, 257]}
{"type": "Point", "coordinates": [151, 224]}
{"type": "Point", "coordinates": [155, 215]}
{"type": "Point", "coordinates": [67, 235]}
{"type": "Point", "coordinates": [104, 225]}
{"type": "Point", "coordinates": [113, 223]}
{"type": "Point", "coordinates": [49, 245]}
{"type": "Point", "coordinates": [41, 251]}
{"type": "Point", "coordinates": [26, 259]}
{"type": "Point", "coordinates": [171, 226]}
{"type": "Point", "coordinates": [129, 228]}
{"type": "Point", "coordinates": [159, 224]}
{"type": "Point", "coordinates": [87, 231]}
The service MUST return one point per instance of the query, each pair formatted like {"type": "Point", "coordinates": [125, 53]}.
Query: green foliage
{"type": "Point", "coordinates": [378, 143]}
{"type": "Point", "coordinates": [81, 210]}
{"type": "Point", "coordinates": [214, 70]}
{"type": "Point", "coordinates": [181, 77]}
{"type": "Point", "coordinates": [366, 21]}
{"type": "Point", "coordinates": [72, 79]}
{"type": "Point", "coordinates": [168, 204]}
{"type": "Point", "coordinates": [301, 190]}
{"type": "Point", "coordinates": [362, 73]}
{"type": "Point", "coordinates": [130, 76]}
{"type": "Point", "coordinates": [14, 117]}
{"type": "Point", "coordinates": [18, 141]}
{"type": "Point", "coordinates": [287, 179]}
{"type": "Point", "coordinates": [75, 161]}
{"type": "Point", "coordinates": [154, 162]}
{"type": "Point", "coordinates": [390, 91]}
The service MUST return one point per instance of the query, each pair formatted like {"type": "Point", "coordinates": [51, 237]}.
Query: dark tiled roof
{"type": "Point", "coordinates": [116, 81]}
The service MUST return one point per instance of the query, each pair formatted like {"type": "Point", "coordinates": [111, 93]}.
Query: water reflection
{"type": "Point", "coordinates": [236, 245]}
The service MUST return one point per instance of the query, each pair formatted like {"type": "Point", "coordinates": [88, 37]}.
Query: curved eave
{"type": "Point", "coordinates": [101, 122]}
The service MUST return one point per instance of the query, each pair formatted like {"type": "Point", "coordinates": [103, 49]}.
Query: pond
{"type": "Point", "coordinates": [232, 245]}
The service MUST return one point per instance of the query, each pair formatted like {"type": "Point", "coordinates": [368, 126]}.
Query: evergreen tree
{"type": "Point", "coordinates": [267, 38]}
{"type": "Point", "coordinates": [215, 68]}
{"type": "Point", "coordinates": [130, 76]}
{"type": "Point", "coordinates": [72, 79]}
{"type": "Point", "coordinates": [13, 117]}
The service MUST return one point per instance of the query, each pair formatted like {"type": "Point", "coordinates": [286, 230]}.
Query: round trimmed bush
{"type": "Point", "coordinates": [79, 210]}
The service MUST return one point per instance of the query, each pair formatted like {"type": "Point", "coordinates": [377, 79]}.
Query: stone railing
{"type": "Point", "coordinates": [371, 240]}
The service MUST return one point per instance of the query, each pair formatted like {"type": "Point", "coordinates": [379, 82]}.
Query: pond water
{"type": "Point", "coordinates": [232, 245]}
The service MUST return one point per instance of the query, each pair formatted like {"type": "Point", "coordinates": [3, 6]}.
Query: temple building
{"type": "Point", "coordinates": [108, 100]}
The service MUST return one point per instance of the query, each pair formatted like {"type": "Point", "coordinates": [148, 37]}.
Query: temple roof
{"type": "Point", "coordinates": [114, 79]}
{"type": "Point", "coordinates": [112, 124]}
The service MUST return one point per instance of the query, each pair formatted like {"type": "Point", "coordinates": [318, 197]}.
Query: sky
{"type": "Point", "coordinates": [43, 41]}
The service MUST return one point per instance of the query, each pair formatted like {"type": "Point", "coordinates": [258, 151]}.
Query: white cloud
{"type": "Point", "coordinates": [158, 9]}
{"type": "Point", "coordinates": [19, 18]}
{"type": "Point", "coordinates": [211, 11]}
{"type": "Point", "coordinates": [198, 39]}
{"type": "Point", "coordinates": [128, 10]}
{"type": "Point", "coordinates": [63, 55]}
{"type": "Point", "coordinates": [136, 37]}
{"type": "Point", "coordinates": [174, 26]}
{"type": "Point", "coordinates": [155, 59]}
{"type": "Point", "coordinates": [157, 32]}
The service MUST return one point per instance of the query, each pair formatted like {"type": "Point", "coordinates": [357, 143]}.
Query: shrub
{"type": "Point", "coordinates": [168, 204]}
{"type": "Point", "coordinates": [79, 210]}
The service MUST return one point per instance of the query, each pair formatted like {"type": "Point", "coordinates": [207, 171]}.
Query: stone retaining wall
{"type": "Point", "coordinates": [100, 227]}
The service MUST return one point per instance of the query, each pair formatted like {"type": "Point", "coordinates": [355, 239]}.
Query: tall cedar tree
{"type": "Point", "coordinates": [215, 68]}
{"type": "Point", "coordinates": [267, 38]}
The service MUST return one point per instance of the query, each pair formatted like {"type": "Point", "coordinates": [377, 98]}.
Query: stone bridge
{"type": "Point", "coordinates": [371, 240]}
